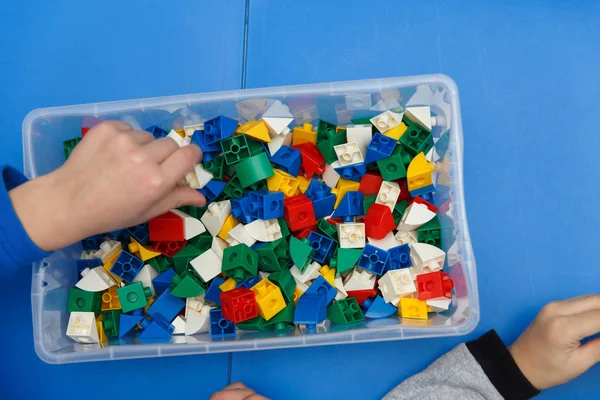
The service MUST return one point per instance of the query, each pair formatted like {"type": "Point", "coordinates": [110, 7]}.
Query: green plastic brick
{"type": "Point", "coordinates": [416, 139]}
{"type": "Point", "coordinates": [254, 324]}
{"type": "Point", "coordinates": [255, 147]}
{"type": "Point", "coordinates": [235, 149]}
{"type": "Point", "coordinates": [254, 169]}
{"type": "Point", "coordinates": [192, 211]}
{"type": "Point", "coordinates": [301, 252]}
{"type": "Point", "coordinates": [399, 210]}
{"type": "Point", "coordinates": [329, 230]}
{"type": "Point", "coordinates": [202, 242]}
{"type": "Point", "coordinates": [216, 166]}
{"type": "Point", "coordinates": [80, 300]}
{"type": "Point", "coordinates": [326, 146]}
{"type": "Point", "coordinates": [186, 286]}
{"type": "Point", "coordinates": [133, 297]}
{"type": "Point", "coordinates": [346, 259]}
{"type": "Point", "coordinates": [368, 200]}
{"type": "Point", "coordinates": [392, 167]}
{"type": "Point", "coordinates": [274, 256]}
{"type": "Point", "coordinates": [240, 262]}
{"type": "Point", "coordinates": [160, 263]}
{"type": "Point", "coordinates": [69, 145]}
{"type": "Point", "coordinates": [233, 190]}
{"type": "Point", "coordinates": [285, 229]}
{"type": "Point", "coordinates": [361, 121]}
{"type": "Point", "coordinates": [110, 322]}
{"type": "Point", "coordinates": [325, 130]}
{"type": "Point", "coordinates": [283, 321]}
{"type": "Point", "coordinates": [285, 281]}
{"type": "Point", "coordinates": [345, 311]}
{"type": "Point", "coordinates": [182, 258]}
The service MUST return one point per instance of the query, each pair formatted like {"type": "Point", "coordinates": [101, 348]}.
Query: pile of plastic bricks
{"type": "Point", "coordinates": [305, 224]}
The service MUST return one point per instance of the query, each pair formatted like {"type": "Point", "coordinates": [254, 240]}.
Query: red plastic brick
{"type": "Point", "coordinates": [313, 161]}
{"type": "Point", "coordinates": [434, 285]}
{"type": "Point", "coordinates": [169, 248]}
{"type": "Point", "coordinates": [305, 232]}
{"type": "Point", "coordinates": [404, 193]}
{"type": "Point", "coordinates": [379, 221]}
{"type": "Point", "coordinates": [362, 295]}
{"type": "Point", "coordinates": [166, 227]}
{"type": "Point", "coordinates": [239, 305]}
{"type": "Point", "coordinates": [430, 206]}
{"type": "Point", "coordinates": [299, 212]}
{"type": "Point", "coordinates": [370, 183]}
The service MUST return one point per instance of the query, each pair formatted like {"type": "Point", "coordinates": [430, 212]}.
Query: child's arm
{"type": "Point", "coordinates": [115, 178]}
{"type": "Point", "coordinates": [547, 354]}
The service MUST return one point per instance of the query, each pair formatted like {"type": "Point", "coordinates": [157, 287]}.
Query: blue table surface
{"type": "Point", "coordinates": [526, 71]}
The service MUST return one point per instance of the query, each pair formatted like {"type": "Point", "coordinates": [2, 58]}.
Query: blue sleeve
{"type": "Point", "coordinates": [16, 248]}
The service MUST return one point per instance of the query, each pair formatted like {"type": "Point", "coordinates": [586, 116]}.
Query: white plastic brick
{"type": "Point", "coordinates": [386, 243]}
{"type": "Point", "coordinates": [88, 254]}
{"type": "Point", "coordinates": [358, 101]}
{"type": "Point", "coordinates": [348, 154]}
{"type": "Point", "coordinates": [415, 216]}
{"type": "Point", "coordinates": [207, 265]}
{"type": "Point", "coordinates": [82, 327]}
{"type": "Point", "coordinates": [108, 250]}
{"type": "Point", "coordinates": [386, 104]}
{"type": "Point", "coordinates": [359, 279]}
{"type": "Point", "coordinates": [218, 246]}
{"type": "Point", "coordinates": [278, 110]}
{"type": "Point", "coordinates": [388, 194]}
{"type": "Point", "coordinates": [198, 177]}
{"type": "Point", "coordinates": [310, 273]}
{"type": "Point", "coordinates": [396, 283]}
{"type": "Point", "coordinates": [238, 234]}
{"type": "Point", "coordinates": [179, 325]}
{"type": "Point", "coordinates": [420, 115]}
{"type": "Point", "coordinates": [330, 176]}
{"type": "Point", "coordinates": [198, 322]}
{"type": "Point", "coordinates": [352, 235]}
{"type": "Point", "coordinates": [146, 275]}
{"type": "Point", "coordinates": [192, 227]}
{"type": "Point", "coordinates": [264, 230]}
{"type": "Point", "coordinates": [278, 126]}
{"type": "Point", "coordinates": [95, 280]}
{"type": "Point", "coordinates": [181, 142]}
{"type": "Point", "coordinates": [263, 274]}
{"type": "Point", "coordinates": [339, 285]}
{"type": "Point", "coordinates": [386, 121]}
{"type": "Point", "coordinates": [190, 129]}
{"type": "Point", "coordinates": [194, 304]}
{"type": "Point", "coordinates": [361, 135]}
{"type": "Point", "coordinates": [406, 237]}
{"type": "Point", "coordinates": [214, 217]}
{"type": "Point", "coordinates": [285, 139]}
{"type": "Point", "coordinates": [439, 305]}
{"type": "Point", "coordinates": [425, 257]}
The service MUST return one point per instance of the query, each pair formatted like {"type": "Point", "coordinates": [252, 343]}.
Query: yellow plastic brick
{"type": "Point", "coordinates": [101, 333]}
{"type": "Point", "coordinates": [268, 298]}
{"type": "Point", "coordinates": [328, 273]}
{"type": "Point", "coordinates": [108, 265]}
{"type": "Point", "coordinates": [304, 134]}
{"type": "Point", "coordinates": [344, 186]}
{"type": "Point", "coordinates": [145, 253]}
{"type": "Point", "coordinates": [229, 224]}
{"type": "Point", "coordinates": [180, 132]}
{"type": "Point", "coordinates": [412, 308]}
{"type": "Point", "coordinates": [283, 182]}
{"type": "Point", "coordinates": [397, 131]}
{"type": "Point", "coordinates": [338, 129]}
{"type": "Point", "coordinates": [303, 183]}
{"type": "Point", "coordinates": [256, 129]}
{"type": "Point", "coordinates": [296, 295]}
{"type": "Point", "coordinates": [229, 284]}
{"type": "Point", "coordinates": [110, 300]}
{"type": "Point", "coordinates": [419, 172]}
{"type": "Point", "coordinates": [150, 302]}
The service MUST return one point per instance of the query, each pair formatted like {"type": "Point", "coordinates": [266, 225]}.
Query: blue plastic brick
{"type": "Point", "coordinates": [127, 266]}
{"type": "Point", "coordinates": [380, 147]}
{"type": "Point", "coordinates": [87, 263]}
{"type": "Point", "coordinates": [128, 322]}
{"type": "Point", "coordinates": [212, 189]}
{"type": "Point", "coordinates": [156, 328]}
{"type": "Point", "coordinates": [441, 196]}
{"type": "Point", "coordinates": [166, 305]}
{"type": "Point", "coordinates": [320, 286]}
{"type": "Point", "coordinates": [248, 283]}
{"type": "Point", "coordinates": [157, 132]}
{"type": "Point", "coordinates": [213, 293]}
{"type": "Point", "coordinates": [240, 209]}
{"type": "Point", "coordinates": [140, 233]}
{"type": "Point", "coordinates": [116, 235]}
{"type": "Point", "coordinates": [92, 242]}
{"type": "Point", "coordinates": [350, 206]}
{"type": "Point", "coordinates": [399, 257]}
{"type": "Point", "coordinates": [287, 159]}
{"type": "Point", "coordinates": [373, 259]}
{"type": "Point", "coordinates": [310, 310]}
{"type": "Point", "coordinates": [352, 172]}
{"type": "Point", "coordinates": [428, 197]}
{"type": "Point", "coordinates": [163, 281]}
{"type": "Point", "coordinates": [219, 128]}
{"type": "Point", "coordinates": [209, 155]}
{"type": "Point", "coordinates": [423, 191]}
{"type": "Point", "coordinates": [199, 138]}
{"type": "Point", "coordinates": [322, 198]}
{"type": "Point", "coordinates": [266, 205]}
{"type": "Point", "coordinates": [322, 245]}
{"type": "Point", "coordinates": [378, 308]}
{"type": "Point", "coordinates": [219, 326]}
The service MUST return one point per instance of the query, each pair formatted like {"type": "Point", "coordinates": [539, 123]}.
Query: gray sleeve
{"type": "Point", "coordinates": [455, 375]}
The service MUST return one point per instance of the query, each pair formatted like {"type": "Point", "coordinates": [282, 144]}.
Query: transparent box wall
{"type": "Point", "coordinates": [44, 130]}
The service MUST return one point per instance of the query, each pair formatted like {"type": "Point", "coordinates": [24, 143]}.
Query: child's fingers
{"type": "Point", "coordinates": [159, 150]}
{"type": "Point", "coordinates": [181, 162]}
{"type": "Point", "coordinates": [178, 197]}
{"type": "Point", "coordinates": [141, 137]}
{"type": "Point", "coordinates": [588, 355]}
{"type": "Point", "coordinates": [584, 324]}
{"type": "Point", "coordinates": [578, 305]}
{"type": "Point", "coordinates": [118, 125]}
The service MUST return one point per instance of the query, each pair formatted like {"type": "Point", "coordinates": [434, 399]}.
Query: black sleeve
{"type": "Point", "coordinates": [501, 369]}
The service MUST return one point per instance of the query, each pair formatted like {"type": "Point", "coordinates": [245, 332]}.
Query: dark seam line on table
{"type": "Point", "coordinates": [245, 45]}
{"type": "Point", "coordinates": [229, 365]}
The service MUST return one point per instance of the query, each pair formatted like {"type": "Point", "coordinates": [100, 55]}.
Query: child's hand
{"type": "Point", "coordinates": [237, 391]}
{"type": "Point", "coordinates": [115, 178]}
{"type": "Point", "coordinates": [549, 352]}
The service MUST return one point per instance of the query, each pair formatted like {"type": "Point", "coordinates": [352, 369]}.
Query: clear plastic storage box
{"type": "Point", "coordinates": [44, 130]}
